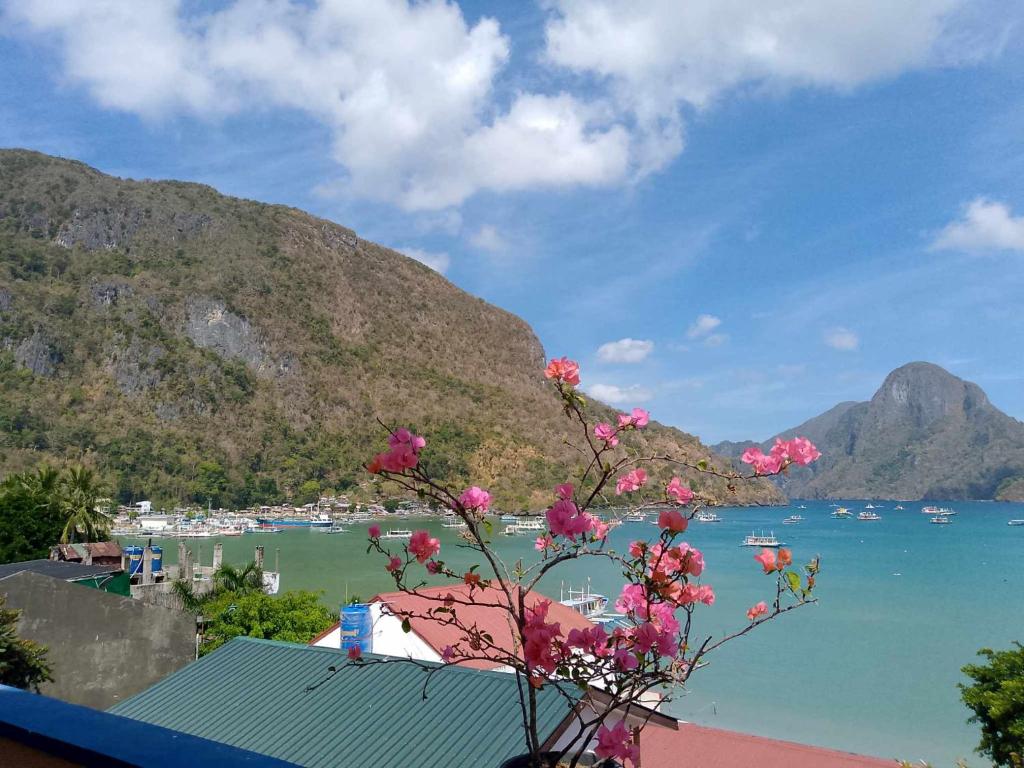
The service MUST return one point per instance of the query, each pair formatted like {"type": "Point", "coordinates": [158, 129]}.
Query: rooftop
{"type": "Point", "coordinates": [439, 633]}
{"type": "Point", "coordinates": [313, 707]}
{"type": "Point", "coordinates": [716, 748]}
{"type": "Point", "coordinates": [58, 569]}
{"type": "Point", "coordinates": [31, 724]}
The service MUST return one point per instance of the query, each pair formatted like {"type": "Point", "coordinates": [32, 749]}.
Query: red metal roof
{"type": "Point", "coordinates": [438, 633]}
{"type": "Point", "coordinates": [716, 748]}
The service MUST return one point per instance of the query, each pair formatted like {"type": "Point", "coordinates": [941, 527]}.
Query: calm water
{"type": "Point", "coordinates": [872, 668]}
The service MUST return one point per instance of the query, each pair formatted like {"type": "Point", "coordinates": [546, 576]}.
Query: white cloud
{"type": "Point", "coordinates": [625, 351]}
{"type": "Point", "coordinates": [985, 225]}
{"type": "Point", "coordinates": [487, 238]}
{"type": "Point", "coordinates": [702, 326]}
{"type": "Point", "coordinates": [613, 395]}
{"type": "Point", "coordinates": [716, 339]}
{"type": "Point", "coordinates": [842, 339]}
{"type": "Point", "coordinates": [660, 56]}
{"type": "Point", "coordinates": [437, 261]}
{"type": "Point", "coordinates": [406, 90]}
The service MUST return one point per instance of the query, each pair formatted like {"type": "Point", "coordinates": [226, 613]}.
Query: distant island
{"type": "Point", "coordinates": [197, 348]}
{"type": "Point", "coordinates": [925, 434]}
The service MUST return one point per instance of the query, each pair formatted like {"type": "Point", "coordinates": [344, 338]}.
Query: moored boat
{"type": "Point", "coordinates": [940, 520]}
{"type": "Point", "coordinates": [706, 516]}
{"type": "Point", "coordinates": [397, 533]}
{"type": "Point", "coordinates": [792, 520]}
{"type": "Point", "coordinates": [590, 604]}
{"type": "Point", "coordinates": [761, 540]}
{"type": "Point", "coordinates": [868, 516]}
{"type": "Point", "coordinates": [1016, 522]}
{"type": "Point", "coordinates": [842, 512]}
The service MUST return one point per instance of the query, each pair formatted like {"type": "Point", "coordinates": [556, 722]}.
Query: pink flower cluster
{"type": "Point", "coordinates": [672, 520]}
{"type": "Point", "coordinates": [423, 547]}
{"type": "Point", "coordinates": [799, 450]}
{"type": "Point", "coordinates": [772, 562]}
{"type": "Point", "coordinates": [565, 519]}
{"type": "Point", "coordinates": [476, 499]}
{"type": "Point", "coordinates": [759, 609]}
{"type": "Point", "coordinates": [617, 742]}
{"type": "Point", "coordinates": [679, 492]}
{"type": "Point", "coordinates": [403, 454]}
{"type": "Point", "coordinates": [631, 481]}
{"type": "Point", "coordinates": [607, 433]}
{"type": "Point", "coordinates": [563, 369]}
{"type": "Point", "coordinates": [542, 642]}
{"type": "Point", "coordinates": [638, 418]}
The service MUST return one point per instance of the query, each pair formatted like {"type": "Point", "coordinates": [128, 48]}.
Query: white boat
{"type": "Point", "coordinates": [525, 526]}
{"type": "Point", "coordinates": [635, 517]}
{"type": "Point", "coordinates": [940, 520]}
{"type": "Point", "coordinates": [842, 512]}
{"type": "Point", "coordinates": [937, 511]}
{"type": "Point", "coordinates": [265, 529]}
{"type": "Point", "coordinates": [397, 533]}
{"type": "Point", "coordinates": [792, 520]}
{"type": "Point", "coordinates": [868, 516]}
{"type": "Point", "coordinates": [508, 518]}
{"type": "Point", "coordinates": [590, 604]}
{"type": "Point", "coordinates": [869, 506]}
{"type": "Point", "coordinates": [454, 522]}
{"type": "Point", "coordinates": [706, 516]}
{"type": "Point", "coordinates": [802, 506]}
{"type": "Point", "coordinates": [898, 506]}
{"type": "Point", "coordinates": [761, 540]}
{"type": "Point", "coordinates": [336, 528]}
{"type": "Point", "coordinates": [1016, 522]}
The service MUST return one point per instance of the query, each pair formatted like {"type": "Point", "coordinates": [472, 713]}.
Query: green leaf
{"type": "Point", "coordinates": [702, 464]}
{"type": "Point", "coordinates": [489, 526]}
{"type": "Point", "coordinates": [406, 626]}
{"type": "Point", "coordinates": [793, 579]}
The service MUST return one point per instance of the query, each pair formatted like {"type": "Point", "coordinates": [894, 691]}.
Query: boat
{"type": "Point", "coordinates": [526, 525]}
{"type": "Point", "coordinates": [589, 604]}
{"type": "Point", "coordinates": [508, 518]}
{"type": "Point", "coordinates": [336, 528]}
{"type": "Point", "coordinates": [265, 529]}
{"type": "Point", "coordinates": [317, 521]}
{"type": "Point", "coordinates": [1016, 522]}
{"type": "Point", "coordinates": [802, 506]}
{"type": "Point", "coordinates": [635, 517]}
{"type": "Point", "coordinates": [454, 522]}
{"type": "Point", "coordinates": [842, 512]}
{"type": "Point", "coordinates": [761, 540]}
{"type": "Point", "coordinates": [898, 506]}
{"type": "Point", "coordinates": [794, 519]}
{"type": "Point", "coordinates": [937, 511]}
{"type": "Point", "coordinates": [397, 533]}
{"type": "Point", "coordinates": [869, 506]}
{"type": "Point", "coordinates": [868, 516]}
{"type": "Point", "coordinates": [706, 516]}
{"type": "Point", "coordinates": [940, 520]}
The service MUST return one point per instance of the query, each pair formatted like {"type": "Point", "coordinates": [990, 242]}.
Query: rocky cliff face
{"type": "Point", "coordinates": [196, 346]}
{"type": "Point", "coordinates": [924, 434]}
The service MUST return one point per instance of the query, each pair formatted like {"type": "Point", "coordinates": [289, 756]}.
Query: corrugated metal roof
{"type": "Point", "coordinates": [58, 569]}
{"type": "Point", "coordinates": [254, 694]}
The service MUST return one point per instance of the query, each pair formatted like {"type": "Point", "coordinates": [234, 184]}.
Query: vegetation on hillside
{"type": "Point", "coordinates": [22, 662]}
{"type": "Point", "coordinates": [38, 509]}
{"type": "Point", "coordinates": [997, 699]}
{"type": "Point", "coordinates": [199, 348]}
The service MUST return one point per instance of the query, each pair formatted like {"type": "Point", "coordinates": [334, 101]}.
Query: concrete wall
{"type": "Point", "coordinates": [103, 648]}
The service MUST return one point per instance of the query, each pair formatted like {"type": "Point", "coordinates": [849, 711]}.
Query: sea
{"type": "Point", "coordinates": [872, 667]}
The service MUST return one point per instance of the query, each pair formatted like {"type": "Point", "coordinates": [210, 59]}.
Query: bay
{"type": "Point", "coordinates": [872, 667]}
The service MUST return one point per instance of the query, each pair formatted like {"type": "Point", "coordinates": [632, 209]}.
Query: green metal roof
{"type": "Point", "coordinates": [253, 694]}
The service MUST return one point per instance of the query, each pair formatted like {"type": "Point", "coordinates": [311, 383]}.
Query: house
{"type": "Point", "coordinates": [108, 578]}
{"type": "Point", "coordinates": [313, 707]}
{"type": "Point", "coordinates": [40, 732]}
{"type": "Point", "coordinates": [429, 636]}
{"type": "Point", "coordinates": [103, 647]}
{"type": "Point", "coordinates": [91, 553]}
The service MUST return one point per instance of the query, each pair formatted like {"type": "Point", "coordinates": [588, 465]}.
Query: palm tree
{"type": "Point", "coordinates": [228, 578]}
{"type": "Point", "coordinates": [85, 507]}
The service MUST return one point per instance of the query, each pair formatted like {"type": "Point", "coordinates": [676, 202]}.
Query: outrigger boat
{"type": "Point", "coordinates": [761, 540]}
{"type": "Point", "coordinates": [397, 533]}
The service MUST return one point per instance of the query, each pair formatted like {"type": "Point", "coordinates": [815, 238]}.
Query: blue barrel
{"type": "Point", "coordinates": [158, 559]}
{"type": "Point", "coordinates": [134, 560]}
{"type": "Point", "coordinates": [356, 627]}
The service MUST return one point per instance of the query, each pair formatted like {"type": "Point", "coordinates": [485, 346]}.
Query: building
{"type": "Point", "coordinates": [107, 578]}
{"type": "Point", "coordinates": [313, 707]}
{"type": "Point", "coordinates": [103, 647]}
{"type": "Point", "coordinates": [429, 636]}
{"type": "Point", "coordinates": [92, 553]}
{"type": "Point", "coordinates": [40, 732]}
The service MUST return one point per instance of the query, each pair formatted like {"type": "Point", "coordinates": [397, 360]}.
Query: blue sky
{"type": "Point", "coordinates": [735, 213]}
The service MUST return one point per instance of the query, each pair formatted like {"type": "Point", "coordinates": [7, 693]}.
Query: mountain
{"type": "Point", "coordinates": [194, 346]}
{"type": "Point", "coordinates": [925, 434]}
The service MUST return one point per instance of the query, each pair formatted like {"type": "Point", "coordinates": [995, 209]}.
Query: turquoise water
{"type": "Point", "coordinates": [872, 668]}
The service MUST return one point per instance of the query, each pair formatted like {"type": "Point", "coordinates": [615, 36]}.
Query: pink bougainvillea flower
{"type": "Point", "coordinates": [374, 531]}
{"type": "Point", "coordinates": [403, 436]}
{"type": "Point", "coordinates": [679, 492]}
{"type": "Point", "coordinates": [632, 599]}
{"type": "Point", "coordinates": [645, 638]}
{"type": "Point", "coordinates": [616, 742]}
{"type": "Point", "coordinates": [631, 481]}
{"type": "Point", "coordinates": [802, 451]}
{"type": "Point", "coordinates": [637, 548]}
{"type": "Point", "coordinates": [706, 594]}
{"type": "Point", "coordinates": [447, 653]}
{"type": "Point", "coordinates": [433, 566]}
{"type": "Point", "coordinates": [564, 491]}
{"type": "Point", "coordinates": [423, 547]}
{"type": "Point", "coordinates": [759, 609]}
{"type": "Point", "coordinates": [624, 659]}
{"type": "Point", "coordinates": [785, 558]}
{"type": "Point", "coordinates": [543, 542]}
{"type": "Point", "coordinates": [355, 653]}
{"type": "Point", "coordinates": [475, 498]}
{"type": "Point", "coordinates": [672, 520]}
{"type": "Point", "coordinates": [763, 464]}
{"type": "Point", "coordinates": [598, 527]}
{"type": "Point", "coordinates": [564, 519]}
{"type": "Point", "coordinates": [393, 564]}
{"type": "Point", "coordinates": [766, 559]}
{"type": "Point", "coordinates": [471, 578]}
{"type": "Point", "coordinates": [543, 647]}
{"type": "Point", "coordinates": [563, 369]}
{"type": "Point", "coordinates": [607, 433]}
{"type": "Point", "coordinates": [637, 419]}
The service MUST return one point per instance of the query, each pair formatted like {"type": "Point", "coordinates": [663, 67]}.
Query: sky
{"type": "Point", "coordinates": [735, 213]}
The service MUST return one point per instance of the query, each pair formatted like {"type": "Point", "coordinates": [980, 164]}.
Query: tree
{"type": "Point", "coordinates": [30, 517]}
{"type": "Point", "coordinates": [997, 699]}
{"type": "Point", "coordinates": [22, 662]}
{"type": "Point", "coordinates": [656, 646]}
{"type": "Point", "coordinates": [241, 581]}
{"type": "Point", "coordinates": [295, 617]}
{"type": "Point", "coordinates": [84, 505]}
